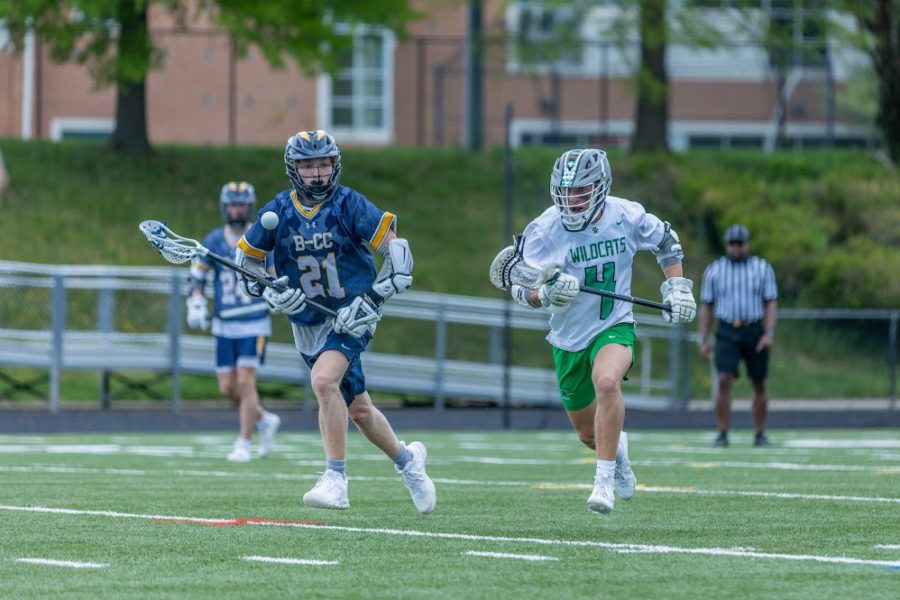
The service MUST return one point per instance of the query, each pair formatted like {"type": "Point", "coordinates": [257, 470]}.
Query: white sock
{"type": "Point", "coordinates": [243, 442]}
{"type": "Point", "coordinates": [605, 468]}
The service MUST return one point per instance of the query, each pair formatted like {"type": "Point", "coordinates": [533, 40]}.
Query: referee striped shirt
{"type": "Point", "coordinates": [739, 289]}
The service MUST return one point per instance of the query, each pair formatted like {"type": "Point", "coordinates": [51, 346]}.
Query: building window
{"type": "Point", "coordinates": [358, 100]}
{"type": "Point", "coordinates": [545, 36]}
{"type": "Point", "coordinates": [67, 128]}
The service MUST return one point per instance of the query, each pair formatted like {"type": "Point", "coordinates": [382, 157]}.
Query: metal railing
{"type": "Point", "coordinates": [115, 319]}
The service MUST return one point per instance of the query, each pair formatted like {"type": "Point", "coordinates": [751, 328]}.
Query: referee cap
{"type": "Point", "coordinates": [737, 233]}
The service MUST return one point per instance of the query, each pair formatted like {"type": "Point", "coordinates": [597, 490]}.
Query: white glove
{"type": "Point", "coordinates": [289, 302]}
{"type": "Point", "coordinates": [197, 312]}
{"type": "Point", "coordinates": [558, 295]}
{"type": "Point", "coordinates": [676, 292]}
{"type": "Point", "coordinates": [254, 265]}
{"type": "Point", "coordinates": [358, 318]}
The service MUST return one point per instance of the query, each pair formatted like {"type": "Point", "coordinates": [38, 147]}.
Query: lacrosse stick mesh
{"type": "Point", "coordinates": [169, 244]}
{"type": "Point", "coordinates": [509, 268]}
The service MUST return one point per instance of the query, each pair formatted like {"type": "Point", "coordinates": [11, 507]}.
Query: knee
{"type": "Point", "coordinates": [228, 389]}
{"type": "Point", "coordinates": [359, 413]}
{"type": "Point", "coordinates": [323, 385]}
{"type": "Point", "coordinates": [605, 386]}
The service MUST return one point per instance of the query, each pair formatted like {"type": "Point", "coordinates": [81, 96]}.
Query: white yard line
{"type": "Point", "coordinates": [290, 561]}
{"type": "Point", "coordinates": [546, 485]}
{"type": "Point", "coordinates": [888, 546]}
{"type": "Point", "coordinates": [61, 563]}
{"type": "Point", "coordinates": [531, 541]}
{"type": "Point", "coordinates": [531, 557]}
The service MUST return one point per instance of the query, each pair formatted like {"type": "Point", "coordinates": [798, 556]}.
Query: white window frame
{"type": "Point", "coordinates": [581, 66]}
{"type": "Point", "coordinates": [60, 126]}
{"type": "Point", "coordinates": [368, 135]}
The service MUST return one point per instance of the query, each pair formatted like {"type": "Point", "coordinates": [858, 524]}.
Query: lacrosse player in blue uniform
{"type": "Point", "coordinates": [321, 245]}
{"type": "Point", "coordinates": [240, 323]}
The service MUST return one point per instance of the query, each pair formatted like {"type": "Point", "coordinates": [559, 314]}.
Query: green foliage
{"type": "Point", "coordinates": [828, 221]}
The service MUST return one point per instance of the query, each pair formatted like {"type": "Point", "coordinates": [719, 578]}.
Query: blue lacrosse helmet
{"type": "Point", "coordinates": [308, 145]}
{"type": "Point", "coordinates": [237, 193]}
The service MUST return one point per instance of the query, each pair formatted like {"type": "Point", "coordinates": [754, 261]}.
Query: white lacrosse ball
{"type": "Point", "coordinates": [269, 220]}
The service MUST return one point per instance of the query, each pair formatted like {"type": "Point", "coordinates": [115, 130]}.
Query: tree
{"type": "Point", "coordinates": [651, 126]}
{"type": "Point", "coordinates": [881, 20]}
{"type": "Point", "coordinates": [112, 38]}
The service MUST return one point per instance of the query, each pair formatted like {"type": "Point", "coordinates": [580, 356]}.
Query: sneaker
{"type": "Point", "coordinates": [601, 500]}
{"type": "Point", "coordinates": [330, 491]}
{"type": "Point", "coordinates": [267, 427]}
{"type": "Point", "coordinates": [420, 486]}
{"type": "Point", "coordinates": [240, 453]}
{"type": "Point", "coordinates": [761, 441]}
{"type": "Point", "coordinates": [624, 480]}
{"type": "Point", "coordinates": [721, 441]}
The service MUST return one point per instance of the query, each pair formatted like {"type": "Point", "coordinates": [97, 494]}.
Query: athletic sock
{"type": "Point", "coordinates": [403, 457]}
{"type": "Point", "coordinates": [242, 441]}
{"type": "Point", "coordinates": [605, 468]}
{"type": "Point", "coordinates": [337, 465]}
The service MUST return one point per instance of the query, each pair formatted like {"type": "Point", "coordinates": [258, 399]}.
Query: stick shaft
{"type": "Point", "coordinates": [262, 280]}
{"type": "Point", "coordinates": [632, 299]}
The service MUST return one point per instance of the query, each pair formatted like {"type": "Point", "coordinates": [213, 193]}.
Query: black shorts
{"type": "Point", "coordinates": [736, 343]}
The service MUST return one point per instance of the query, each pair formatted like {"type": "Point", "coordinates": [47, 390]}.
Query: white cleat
{"type": "Point", "coordinates": [329, 492]}
{"type": "Point", "coordinates": [240, 453]}
{"type": "Point", "coordinates": [267, 427]}
{"type": "Point", "coordinates": [624, 479]}
{"type": "Point", "coordinates": [420, 486]}
{"type": "Point", "coordinates": [601, 500]}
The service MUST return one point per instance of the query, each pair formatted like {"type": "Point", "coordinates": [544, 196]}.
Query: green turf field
{"type": "Point", "coordinates": [165, 516]}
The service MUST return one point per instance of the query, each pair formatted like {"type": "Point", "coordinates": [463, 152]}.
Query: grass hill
{"type": "Point", "coordinates": [829, 221]}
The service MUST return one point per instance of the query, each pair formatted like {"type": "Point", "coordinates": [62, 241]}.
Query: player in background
{"type": "Point", "coordinates": [321, 248]}
{"type": "Point", "coordinates": [592, 239]}
{"type": "Point", "coordinates": [240, 323]}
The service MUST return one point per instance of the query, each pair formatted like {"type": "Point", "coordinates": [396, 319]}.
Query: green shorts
{"type": "Point", "coordinates": [573, 369]}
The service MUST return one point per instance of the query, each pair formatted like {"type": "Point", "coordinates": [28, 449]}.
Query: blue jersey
{"type": "Point", "coordinates": [324, 250]}
{"type": "Point", "coordinates": [235, 314]}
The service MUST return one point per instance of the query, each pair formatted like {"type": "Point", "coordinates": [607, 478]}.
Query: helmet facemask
{"type": "Point", "coordinates": [579, 184]}
{"type": "Point", "coordinates": [237, 202]}
{"type": "Point", "coordinates": [308, 149]}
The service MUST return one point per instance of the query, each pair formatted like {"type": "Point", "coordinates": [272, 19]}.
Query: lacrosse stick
{"type": "Point", "coordinates": [177, 249]}
{"type": "Point", "coordinates": [509, 268]}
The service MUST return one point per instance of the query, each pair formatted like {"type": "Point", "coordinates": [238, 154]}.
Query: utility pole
{"type": "Point", "coordinates": [474, 68]}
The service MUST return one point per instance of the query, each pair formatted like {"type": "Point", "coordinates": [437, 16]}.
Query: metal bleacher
{"type": "Point", "coordinates": [111, 344]}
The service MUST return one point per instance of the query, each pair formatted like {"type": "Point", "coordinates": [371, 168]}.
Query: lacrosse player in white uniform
{"type": "Point", "coordinates": [240, 323]}
{"type": "Point", "coordinates": [592, 238]}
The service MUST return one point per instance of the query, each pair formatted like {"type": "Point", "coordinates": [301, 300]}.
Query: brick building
{"type": "Point", "coordinates": [415, 91]}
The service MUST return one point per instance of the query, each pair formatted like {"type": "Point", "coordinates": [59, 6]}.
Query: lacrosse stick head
{"type": "Point", "coordinates": [170, 245]}
{"type": "Point", "coordinates": [509, 268]}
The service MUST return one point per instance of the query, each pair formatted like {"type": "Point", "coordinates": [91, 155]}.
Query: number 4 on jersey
{"type": "Point", "coordinates": [606, 281]}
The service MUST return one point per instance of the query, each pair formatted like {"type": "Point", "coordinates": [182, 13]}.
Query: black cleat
{"type": "Point", "coordinates": [761, 441]}
{"type": "Point", "coordinates": [721, 441]}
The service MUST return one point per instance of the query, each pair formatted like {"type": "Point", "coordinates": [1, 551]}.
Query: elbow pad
{"type": "Point", "coordinates": [669, 251]}
{"type": "Point", "coordinates": [395, 275]}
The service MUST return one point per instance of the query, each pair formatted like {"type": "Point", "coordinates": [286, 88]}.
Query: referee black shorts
{"type": "Point", "coordinates": [736, 343]}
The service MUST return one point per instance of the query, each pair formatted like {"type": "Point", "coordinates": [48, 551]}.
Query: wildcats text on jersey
{"type": "Point", "coordinates": [601, 249]}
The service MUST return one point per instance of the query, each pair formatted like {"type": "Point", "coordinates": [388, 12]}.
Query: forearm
{"type": "Point", "coordinates": [771, 317]}
{"type": "Point", "coordinates": [705, 320]}
{"type": "Point", "coordinates": [673, 270]}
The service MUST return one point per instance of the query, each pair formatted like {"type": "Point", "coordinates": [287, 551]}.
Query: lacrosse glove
{"type": "Point", "coordinates": [676, 292]}
{"type": "Point", "coordinates": [558, 293]}
{"type": "Point", "coordinates": [358, 318]}
{"type": "Point", "coordinates": [197, 312]}
{"type": "Point", "coordinates": [250, 286]}
{"type": "Point", "coordinates": [287, 302]}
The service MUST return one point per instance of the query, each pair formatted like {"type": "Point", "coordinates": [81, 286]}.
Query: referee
{"type": "Point", "coordinates": [740, 291]}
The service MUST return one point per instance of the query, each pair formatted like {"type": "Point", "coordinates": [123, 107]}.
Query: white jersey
{"type": "Point", "coordinates": [601, 256]}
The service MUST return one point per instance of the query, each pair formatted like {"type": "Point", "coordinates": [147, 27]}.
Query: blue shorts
{"type": "Point", "coordinates": [354, 382]}
{"type": "Point", "coordinates": [243, 352]}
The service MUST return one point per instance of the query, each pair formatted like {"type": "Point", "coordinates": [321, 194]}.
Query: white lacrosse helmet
{"type": "Point", "coordinates": [579, 183]}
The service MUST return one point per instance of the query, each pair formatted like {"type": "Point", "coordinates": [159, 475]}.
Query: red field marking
{"type": "Point", "coordinates": [238, 522]}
